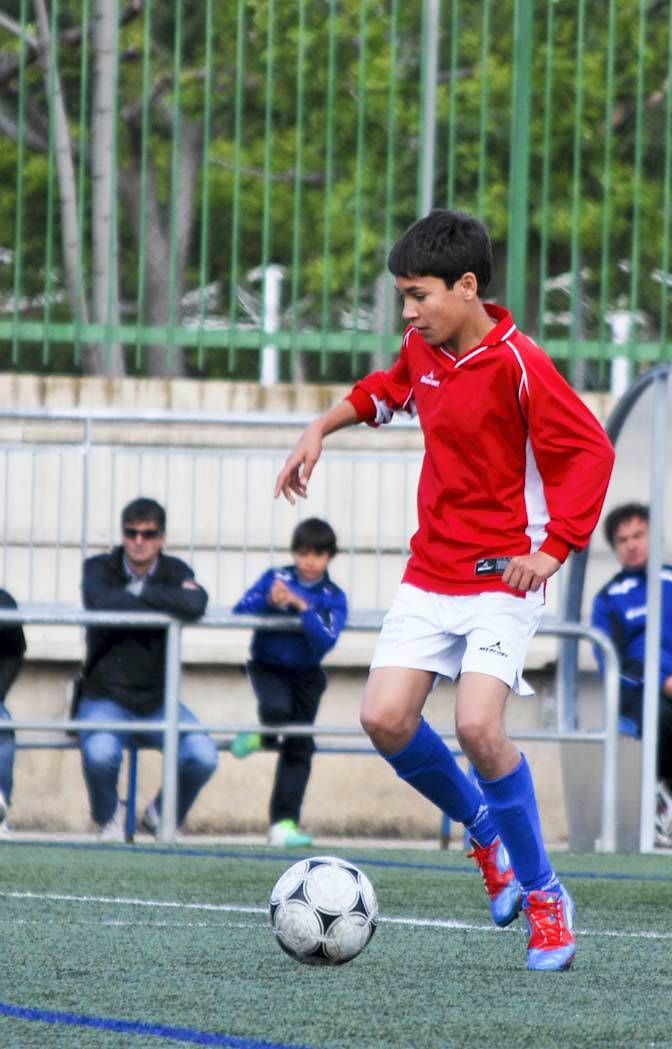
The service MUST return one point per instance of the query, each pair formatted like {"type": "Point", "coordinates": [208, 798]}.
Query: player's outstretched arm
{"type": "Point", "coordinates": [295, 474]}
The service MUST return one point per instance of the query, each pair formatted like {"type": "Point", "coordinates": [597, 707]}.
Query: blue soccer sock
{"type": "Point", "coordinates": [427, 764]}
{"type": "Point", "coordinates": [513, 806]}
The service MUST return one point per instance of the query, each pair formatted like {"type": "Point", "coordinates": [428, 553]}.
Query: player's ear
{"type": "Point", "coordinates": [468, 285]}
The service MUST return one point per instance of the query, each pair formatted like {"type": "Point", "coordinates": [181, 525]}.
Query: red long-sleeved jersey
{"type": "Point", "coordinates": [514, 461]}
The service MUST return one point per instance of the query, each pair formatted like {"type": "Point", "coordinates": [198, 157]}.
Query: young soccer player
{"type": "Point", "coordinates": [285, 670]}
{"type": "Point", "coordinates": [514, 475]}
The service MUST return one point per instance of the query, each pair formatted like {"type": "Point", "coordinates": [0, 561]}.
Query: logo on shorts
{"type": "Point", "coordinates": [495, 649]}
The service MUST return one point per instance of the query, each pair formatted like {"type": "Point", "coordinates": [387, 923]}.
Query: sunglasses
{"type": "Point", "coordinates": [141, 533]}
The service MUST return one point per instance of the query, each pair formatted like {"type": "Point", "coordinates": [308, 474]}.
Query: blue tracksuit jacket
{"type": "Point", "coordinates": [619, 609]}
{"type": "Point", "coordinates": [322, 621]}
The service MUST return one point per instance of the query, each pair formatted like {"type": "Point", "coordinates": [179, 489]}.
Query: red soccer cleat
{"type": "Point", "coordinates": [550, 918]}
{"type": "Point", "coordinates": [505, 894]}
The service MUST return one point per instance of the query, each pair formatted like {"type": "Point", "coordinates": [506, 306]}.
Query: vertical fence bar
{"type": "Point", "coordinates": [171, 736]}
{"type": "Point", "coordinates": [235, 202]}
{"type": "Point", "coordinates": [637, 178]}
{"type": "Point", "coordinates": [546, 174]}
{"type": "Point", "coordinates": [653, 613]}
{"type": "Point", "coordinates": [359, 175]}
{"type": "Point", "coordinates": [605, 252]}
{"type": "Point", "coordinates": [51, 55]}
{"type": "Point", "coordinates": [329, 181]}
{"type": "Point", "coordinates": [20, 163]}
{"type": "Point", "coordinates": [144, 159]}
{"type": "Point", "coordinates": [516, 256]}
{"type": "Point", "coordinates": [665, 283]}
{"type": "Point", "coordinates": [430, 116]}
{"type": "Point", "coordinates": [205, 185]}
{"type": "Point", "coordinates": [483, 110]}
{"type": "Point", "coordinates": [429, 64]}
{"type": "Point", "coordinates": [298, 186]}
{"type": "Point", "coordinates": [175, 183]}
{"type": "Point", "coordinates": [113, 287]}
{"type": "Point", "coordinates": [452, 109]}
{"type": "Point", "coordinates": [576, 327]}
{"type": "Point", "coordinates": [82, 167]}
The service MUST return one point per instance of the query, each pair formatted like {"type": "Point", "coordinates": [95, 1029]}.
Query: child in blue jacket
{"type": "Point", "coordinates": [285, 671]}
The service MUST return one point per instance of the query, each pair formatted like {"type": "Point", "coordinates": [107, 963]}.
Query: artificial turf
{"type": "Point", "coordinates": [179, 939]}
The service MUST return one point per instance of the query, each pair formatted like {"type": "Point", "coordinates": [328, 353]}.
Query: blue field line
{"type": "Point", "coordinates": [103, 1023]}
{"type": "Point", "coordinates": [293, 857]}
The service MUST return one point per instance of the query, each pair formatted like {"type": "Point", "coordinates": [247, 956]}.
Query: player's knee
{"type": "Point", "coordinates": [389, 729]}
{"type": "Point", "coordinates": [478, 737]}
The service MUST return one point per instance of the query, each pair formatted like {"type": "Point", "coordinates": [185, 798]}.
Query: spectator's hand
{"type": "Point", "coordinates": [295, 474]}
{"type": "Point", "coordinates": [189, 584]}
{"type": "Point", "coordinates": [282, 597]}
{"type": "Point", "coordinates": [530, 571]}
{"type": "Point", "coordinates": [667, 686]}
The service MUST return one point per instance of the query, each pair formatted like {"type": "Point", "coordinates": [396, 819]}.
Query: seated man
{"type": "Point", "coordinates": [620, 611]}
{"type": "Point", "coordinates": [12, 650]}
{"type": "Point", "coordinates": [123, 676]}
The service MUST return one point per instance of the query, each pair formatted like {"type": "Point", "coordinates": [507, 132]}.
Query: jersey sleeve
{"type": "Point", "coordinates": [572, 451]}
{"type": "Point", "coordinates": [255, 600]}
{"type": "Point", "coordinates": [380, 394]}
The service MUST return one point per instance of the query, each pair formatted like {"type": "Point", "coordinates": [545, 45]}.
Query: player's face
{"type": "Point", "coordinates": [142, 542]}
{"type": "Point", "coordinates": [435, 310]}
{"type": "Point", "coordinates": [631, 543]}
{"type": "Point", "coordinates": [311, 566]}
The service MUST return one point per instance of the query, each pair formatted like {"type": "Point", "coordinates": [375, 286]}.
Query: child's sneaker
{"type": "Point", "coordinates": [287, 835]}
{"type": "Point", "coordinates": [245, 743]}
{"type": "Point", "coordinates": [505, 894]}
{"type": "Point", "coordinates": [550, 920]}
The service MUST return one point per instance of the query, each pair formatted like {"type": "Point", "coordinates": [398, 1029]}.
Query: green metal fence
{"type": "Point", "coordinates": [212, 186]}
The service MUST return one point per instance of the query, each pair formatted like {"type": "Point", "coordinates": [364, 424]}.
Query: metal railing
{"type": "Point", "coordinates": [171, 727]}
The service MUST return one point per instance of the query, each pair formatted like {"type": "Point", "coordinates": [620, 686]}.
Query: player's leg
{"type": "Point", "coordinates": [101, 761]}
{"type": "Point", "coordinates": [392, 717]}
{"type": "Point", "coordinates": [493, 661]}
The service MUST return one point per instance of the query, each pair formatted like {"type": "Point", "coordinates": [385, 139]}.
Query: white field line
{"type": "Point", "coordinates": [235, 908]}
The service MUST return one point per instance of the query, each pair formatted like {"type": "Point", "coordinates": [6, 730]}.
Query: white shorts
{"type": "Point", "coordinates": [486, 633]}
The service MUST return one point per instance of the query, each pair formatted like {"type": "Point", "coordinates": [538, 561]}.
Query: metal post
{"type": "Point", "coordinates": [271, 285]}
{"type": "Point", "coordinates": [427, 158]}
{"type": "Point", "coordinates": [516, 257]}
{"type": "Point", "coordinates": [653, 616]}
{"type": "Point", "coordinates": [171, 736]}
{"type": "Point", "coordinates": [607, 840]}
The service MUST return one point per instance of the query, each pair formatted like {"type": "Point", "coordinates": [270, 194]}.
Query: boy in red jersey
{"type": "Point", "coordinates": [514, 476]}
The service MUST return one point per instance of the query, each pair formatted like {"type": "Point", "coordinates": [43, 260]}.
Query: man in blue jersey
{"type": "Point", "coordinates": [285, 671]}
{"type": "Point", "coordinates": [620, 609]}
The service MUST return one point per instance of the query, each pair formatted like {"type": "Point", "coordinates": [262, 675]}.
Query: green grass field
{"type": "Point", "coordinates": [143, 946]}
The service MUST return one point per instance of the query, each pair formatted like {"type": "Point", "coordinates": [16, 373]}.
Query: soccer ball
{"type": "Point", "coordinates": [323, 911]}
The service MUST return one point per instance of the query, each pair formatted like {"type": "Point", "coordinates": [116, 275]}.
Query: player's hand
{"type": "Point", "coordinates": [530, 571]}
{"type": "Point", "coordinates": [295, 474]}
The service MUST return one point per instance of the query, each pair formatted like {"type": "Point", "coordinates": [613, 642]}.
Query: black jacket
{"type": "Point", "coordinates": [124, 664]}
{"type": "Point", "coordinates": [12, 648]}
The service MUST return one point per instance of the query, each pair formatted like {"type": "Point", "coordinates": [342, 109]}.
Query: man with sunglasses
{"type": "Point", "coordinates": [124, 672]}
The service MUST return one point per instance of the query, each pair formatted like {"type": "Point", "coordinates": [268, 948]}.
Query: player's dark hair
{"type": "Point", "coordinates": [445, 244]}
{"type": "Point", "coordinates": [314, 534]}
{"type": "Point", "coordinates": [619, 515]}
{"type": "Point", "coordinates": [144, 510]}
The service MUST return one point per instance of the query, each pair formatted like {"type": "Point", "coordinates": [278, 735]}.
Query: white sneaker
{"type": "Point", "coordinates": [3, 807]}
{"type": "Point", "coordinates": [113, 830]}
{"type": "Point", "coordinates": [5, 830]}
{"type": "Point", "coordinates": [151, 820]}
